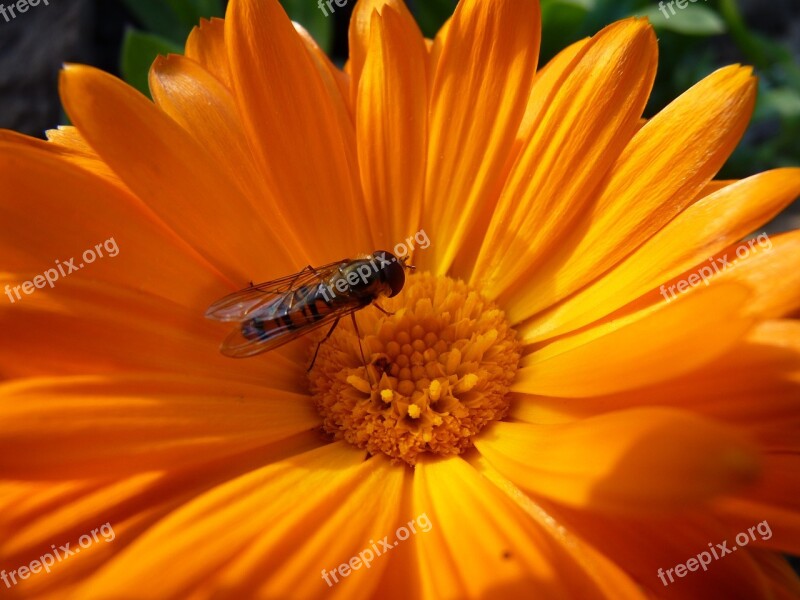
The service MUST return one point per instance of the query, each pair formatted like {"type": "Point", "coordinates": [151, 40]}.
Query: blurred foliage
{"type": "Point", "coordinates": [308, 14]}
{"type": "Point", "coordinates": [167, 24]}
{"type": "Point", "coordinates": [139, 50]}
{"type": "Point", "coordinates": [693, 42]}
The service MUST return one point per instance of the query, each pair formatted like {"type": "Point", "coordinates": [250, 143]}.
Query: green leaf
{"type": "Point", "coordinates": [432, 14]}
{"type": "Point", "coordinates": [173, 19]}
{"type": "Point", "coordinates": [758, 49]}
{"type": "Point", "coordinates": [205, 9]}
{"type": "Point", "coordinates": [189, 12]}
{"type": "Point", "coordinates": [562, 22]}
{"type": "Point", "coordinates": [694, 19]}
{"type": "Point", "coordinates": [783, 101]}
{"type": "Point", "coordinates": [139, 50]}
{"type": "Point", "coordinates": [586, 5]}
{"type": "Point", "coordinates": [309, 15]}
{"type": "Point", "coordinates": [158, 17]}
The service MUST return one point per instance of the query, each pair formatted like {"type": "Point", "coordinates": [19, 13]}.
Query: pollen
{"type": "Point", "coordinates": [438, 370]}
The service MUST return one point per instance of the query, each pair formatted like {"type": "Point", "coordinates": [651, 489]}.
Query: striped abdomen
{"type": "Point", "coordinates": [297, 309]}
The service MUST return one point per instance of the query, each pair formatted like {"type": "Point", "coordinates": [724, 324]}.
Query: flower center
{"type": "Point", "coordinates": [439, 370]}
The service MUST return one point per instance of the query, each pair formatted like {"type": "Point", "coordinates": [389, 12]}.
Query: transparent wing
{"type": "Point", "coordinates": [236, 345]}
{"type": "Point", "coordinates": [242, 305]}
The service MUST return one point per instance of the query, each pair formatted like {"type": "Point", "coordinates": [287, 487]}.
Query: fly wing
{"type": "Point", "coordinates": [236, 345]}
{"type": "Point", "coordinates": [244, 304]}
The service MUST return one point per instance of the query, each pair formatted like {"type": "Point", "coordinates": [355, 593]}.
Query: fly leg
{"type": "Point", "coordinates": [384, 311]}
{"type": "Point", "coordinates": [325, 339]}
{"type": "Point", "coordinates": [361, 348]}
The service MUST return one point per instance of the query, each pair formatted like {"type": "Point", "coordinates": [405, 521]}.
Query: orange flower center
{"type": "Point", "coordinates": [440, 368]}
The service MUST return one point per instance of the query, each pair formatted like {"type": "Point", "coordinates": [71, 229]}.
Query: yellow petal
{"type": "Point", "coordinates": [304, 142]}
{"type": "Point", "coordinates": [609, 577]}
{"type": "Point", "coordinates": [639, 461]}
{"type": "Point", "coordinates": [488, 56]}
{"type": "Point", "coordinates": [206, 46]}
{"type": "Point", "coordinates": [345, 530]}
{"type": "Point", "coordinates": [670, 542]}
{"type": "Point", "coordinates": [360, 31]}
{"type": "Point", "coordinates": [336, 80]}
{"type": "Point", "coordinates": [546, 83]}
{"type": "Point", "coordinates": [589, 121]}
{"type": "Point", "coordinates": [277, 509]}
{"type": "Point", "coordinates": [82, 323]}
{"type": "Point", "coordinates": [510, 551]}
{"type": "Point", "coordinates": [170, 171]}
{"type": "Point", "coordinates": [755, 386]}
{"type": "Point", "coordinates": [102, 426]}
{"type": "Point", "coordinates": [776, 499]}
{"type": "Point", "coordinates": [666, 164]}
{"type": "Point", "coordinates": [33, 242]}
{"type": "Point", "coordinates": [769, 265]}
{"type": "Point", "coordinates": [69, 145]}
{"type": "Point", "coordinates": [643, 348]}
{"type": "Point", "coordinates": [391, 126]}
{"type": "Point", "coordinates": [699, 232]}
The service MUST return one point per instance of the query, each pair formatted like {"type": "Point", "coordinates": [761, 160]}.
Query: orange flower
{"type": "Point", "coordinates": [566, 426]}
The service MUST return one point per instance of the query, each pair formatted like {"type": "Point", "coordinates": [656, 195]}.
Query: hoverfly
{"type": "Point", "coordinates": [276, 312]}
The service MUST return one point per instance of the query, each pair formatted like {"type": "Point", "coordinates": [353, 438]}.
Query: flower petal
{"type": "Point", "coordinates": [69, 145]}
{"type": "Point", "coordinates": [337, 81]}
{"type": "Point", "coordinates": [509, 553]}
{"type": "Point", "coordinates": [304, 142]}
{"type": "Point", "coordinates": [765, 366]}
{"type": "Point", "coordinates": [32, 241]}
{"type": "Point", "coordinates": [704, 228]}
{"type": "Point", "coordinates": [208, 111]}
{"type": "Point", "coordinates": [649, 548]}
{"type": "Point", "coordinates": [546, 83]}
{"type": "Point", "coordinates": [83, 323]}
{"type": "Point", "coordinates": [611, 578]}
{"type": "Point", "coordinates": [781, 577]}
{"type": "Point", "coordinates": [171, 172]}
{"type": "Point", "coordinates": [639, 349]}
{"type": "Point", "coordinates": [489, 54]}
{"type": "Point", "coordinates": [361, 29]}
{"type": "Point", "coordinates": [273, 510]}
{"type": "Point", "coordinates": [99, 426]}
{"type": "Point", "coordinates": [639, 461]}
{"type": "Point", "coordinates": [580, 133]}
{"type": "Point", "coordinates": [206, 46]}
{"type": "Point", "coordinates": [774, 269]}
{"type": "Point", "coordinates": [391, 125]}
{"type": "Point", "coordinates": [344, 530]}
{"type": "Point", "coordinates": [776, 500]}
{"type": "Point", "coordinates": [43, 513]}
{"type": "Point", "coordinates": [662, 169]}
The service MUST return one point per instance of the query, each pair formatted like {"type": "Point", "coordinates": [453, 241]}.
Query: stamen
{"type": "Point", "coordinates": [442, 362]}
